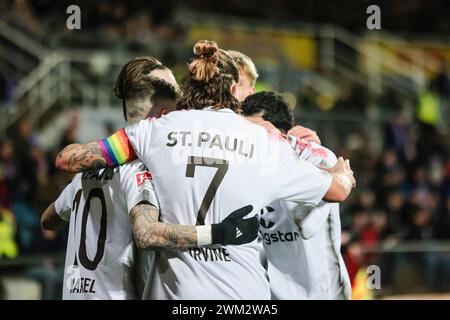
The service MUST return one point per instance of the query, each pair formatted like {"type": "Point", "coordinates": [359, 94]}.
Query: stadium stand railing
{"type": "Point", "coordinates": [348, 56]}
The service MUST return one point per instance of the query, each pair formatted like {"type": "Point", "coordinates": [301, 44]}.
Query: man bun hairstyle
{"type": "Point", "coordinates": [210, 76]}
{"type": "Point", "coordinates": [204, 66]}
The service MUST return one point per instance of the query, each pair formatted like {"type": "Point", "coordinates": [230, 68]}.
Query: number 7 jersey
{"type": "Point", "coordinates": [206, 164]}
{"type": "Point", "coordinates": [100, 249]}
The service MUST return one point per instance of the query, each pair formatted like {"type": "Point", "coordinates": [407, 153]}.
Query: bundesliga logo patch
{"type": "Point", "coordinates": [141, 177]}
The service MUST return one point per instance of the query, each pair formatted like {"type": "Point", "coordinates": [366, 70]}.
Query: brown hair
{"type": "Point", "coordinates": [131, 71]}
{"type": "Point", "coordinates": [210, 76]}
{"type": "Point", "coordinates": [141, 93]}
{"type": "Point", "coordinates": [134, 69]}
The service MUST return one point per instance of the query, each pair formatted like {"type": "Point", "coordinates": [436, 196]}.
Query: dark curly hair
{"type": "Point", "coordinates": [210, 76]}
{"type": "Point", "coordinates": [272, 107]}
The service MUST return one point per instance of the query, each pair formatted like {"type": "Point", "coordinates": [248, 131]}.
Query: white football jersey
{"type": "Point", "coordinates": [302, 244]}
{"type": "Point", "coordinates": [100, 248]}
{"type": "Point", "coordinates": [206, 164]}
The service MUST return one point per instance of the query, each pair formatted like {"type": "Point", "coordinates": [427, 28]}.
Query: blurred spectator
{"type": "Point", "coordinates": [138, 29]}
{"type": "Point", "coordinates": [24, 18]}
{"type": "Point", "coordinates": [442, 81]}
{"type": "Point", "coordinates": [25, 162]}
{"type": "Point", "coordinates": [28, 223]}
{"type": "Point", "coordinates": [3, 88]}
{"type": "Point", "coordinates": [8, 169]}
{"type": "Point", "coordinates": [398, 137]}
{"type": "Point", "coordinates": [8, 84]}
{"type": "Point", "coordinates": [435, 265]}
{"type": "Point", "coordinates": [397, 211]}
{"type": "Point", "coordinates": [421, 227]}
{"type": "Point", "coordinates": [8, 245]}
{"type": "Point", "coordinates": [50, 275]}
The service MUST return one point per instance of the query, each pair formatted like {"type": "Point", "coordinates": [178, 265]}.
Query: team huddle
{"type": "Point", "coordinates": [209, 192]}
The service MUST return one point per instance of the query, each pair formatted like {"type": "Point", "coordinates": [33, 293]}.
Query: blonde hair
{"type": "Point", "coordinates": [245, 64]}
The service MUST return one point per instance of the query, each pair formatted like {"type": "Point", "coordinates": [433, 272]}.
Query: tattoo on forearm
{"type": "Point", "coordinates": [95, 164]}
{"type": "Point", "coordinates": [75, 158]}
{"type": "Point", "coordinates": [83, 157]}
{"type": "Point", "coordinates": [152, 234]}
{"type": "Point", "coordinates": [93, 148]}
{"type": "Point", "coordinates": [67, 149]}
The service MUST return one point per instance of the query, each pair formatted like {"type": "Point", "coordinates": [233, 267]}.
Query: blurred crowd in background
{"type": "Point", "coordinates": [142, 21]}
{"type": "Point", "coordinates": [403, 190]}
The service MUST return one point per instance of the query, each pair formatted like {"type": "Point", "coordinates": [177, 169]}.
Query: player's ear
{"type": "Point", "coordinates": [163, 111]}
{"type": "Point", "coordinates": [234, 89]}
{"type": "Point", "coordinates": [124, 108]}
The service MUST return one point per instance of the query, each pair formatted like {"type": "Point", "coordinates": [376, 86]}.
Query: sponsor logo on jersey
{"type": "Point", "coordinates": [141, 177]}
{"type": "Point", "coordinates": [266, 224]}
{"type": "Point", "coordinates": [274, 237]}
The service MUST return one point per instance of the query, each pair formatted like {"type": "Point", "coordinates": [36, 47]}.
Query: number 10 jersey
{"type": "Point", "coordinates": [100, 250]}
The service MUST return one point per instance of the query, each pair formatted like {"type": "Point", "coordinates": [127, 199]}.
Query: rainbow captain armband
{"type": "Point", "coordinates": [117, 149]}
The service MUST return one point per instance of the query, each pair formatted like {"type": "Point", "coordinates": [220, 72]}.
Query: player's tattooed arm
{"type": "Point", "coordinates": [50, 219]}
{"type": "Point", "coordinates": [149, 233]}
{"type": "Point", "coordinates": [81, 157]}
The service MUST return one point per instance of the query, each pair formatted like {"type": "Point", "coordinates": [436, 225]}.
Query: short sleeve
{"type": "Point", "coordinates": [139, 136]}
{"type": "Point", "coordinates": [312, 152]}
{"type": "Point", "coordinates": [311, 220]}
{"type": "Point", "coordinates": [63, 205]}
{"type": "Point", "coordinates": [137, 184]}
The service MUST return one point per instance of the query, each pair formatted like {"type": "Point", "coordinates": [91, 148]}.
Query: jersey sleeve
{"type": "Point", "coordinates": [137, 185]}
{"type": "Point", "coordinates": [128, 144]}
{"type": "Point", "coordinates": [117, 149]}
{"type": "Point", "coordinates": [63, 205]}
{"type": "Point", "coordinates": [312, 152]}
{"type": "Point", "coordinates": [311, 220]}
{"type": "Point", "coordinates": [139, 137]}
{"type": "Point", "coordinates": [300, 181]}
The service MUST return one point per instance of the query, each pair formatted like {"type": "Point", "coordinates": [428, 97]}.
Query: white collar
{"type": "Point", "coordinates": [224, 110]}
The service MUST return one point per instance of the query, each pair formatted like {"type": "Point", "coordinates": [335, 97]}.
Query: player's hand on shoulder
{"type": "Point", "coordinates": [303, 133]}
